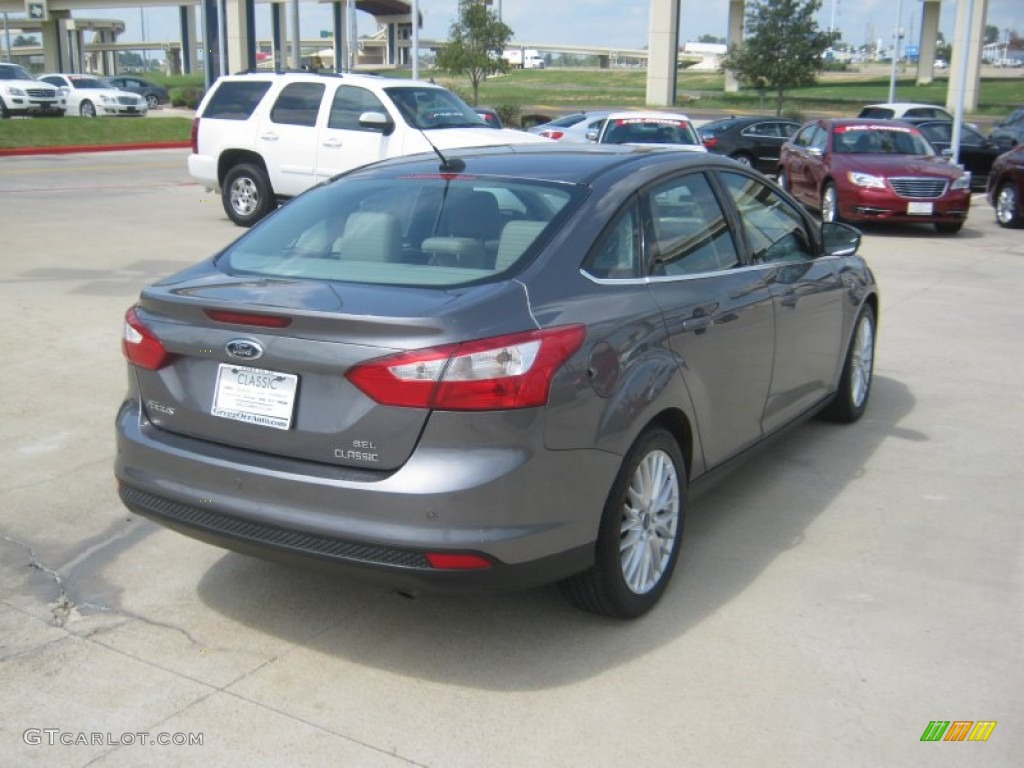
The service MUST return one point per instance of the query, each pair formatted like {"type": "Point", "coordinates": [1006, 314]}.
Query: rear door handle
{"type": "Point", "coordinates": [332, 143]}
{"type": "Point", "coordinates": [269, 136]}
{"type": "Point", "coordinates": [701, 318]}
{"type": "Point", "coordinates": [696, 323]}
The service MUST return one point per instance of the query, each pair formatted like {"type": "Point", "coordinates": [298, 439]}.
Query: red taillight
{"type": "Point", "coordinates": [248, 318]}
{"type": "Point", "coordinates": [551, 134]}
{"type": "Point", "coordinates": [500, 373]}
{"type": "Point", "coordinates": [194, 136]}
{"type": "Point", "coordinates": [710, 141]}
{"type": "Point", "coordinates": [140, 346]}
{"type": "Point", "coordinates": [450, 562]}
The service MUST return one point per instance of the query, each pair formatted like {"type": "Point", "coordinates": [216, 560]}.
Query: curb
{"type": "Point", "coordinates": [69, 150]}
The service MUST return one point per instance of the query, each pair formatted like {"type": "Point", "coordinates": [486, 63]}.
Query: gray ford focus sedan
{"type": "Point", "coordinates": [495, 370]}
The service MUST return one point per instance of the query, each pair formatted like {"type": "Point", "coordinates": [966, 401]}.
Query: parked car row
{"type": "Point", "coordinates": [57, 94]}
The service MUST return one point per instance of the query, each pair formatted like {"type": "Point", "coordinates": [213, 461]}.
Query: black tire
{"type": "Point", "coordinates": [4, 114]}
{"type": "Point", "coordinates": [247, 194]}
{"type": "Point", "coordinates": [1008, 206]}
{"type": "Point", "coordinates": [948, 227]}
{"type": "Point", "coordinates": [744, 159]}
{"type": "Point", "coordinates": [87, 109]}
{"type": "Point", "coordinates": [851, 398]}
{"type": "Point", "coordinates": [152, 101]}
{"type": "Point", "coordinates": [829, 203]}
{"type": "Point", "coordinates": [630, 514]}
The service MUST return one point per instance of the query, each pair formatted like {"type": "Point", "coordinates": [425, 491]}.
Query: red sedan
{"type": "Point", "coordinates": [871, 170]}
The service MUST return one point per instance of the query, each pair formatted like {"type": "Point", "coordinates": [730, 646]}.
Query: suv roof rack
{"type": "Point", "coordinates": [288, 72]}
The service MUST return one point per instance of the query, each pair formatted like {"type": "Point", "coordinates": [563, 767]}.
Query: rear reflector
{"type": "Point", "coordinates": [248, 318]}
{"type": "Point", "coordinates": [451, 562]}
{"type": "Point", "coordinates": [140, 346]}
{"type": "Point", "coordinates": [499, 373]}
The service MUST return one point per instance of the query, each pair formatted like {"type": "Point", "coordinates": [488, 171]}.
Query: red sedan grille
{"type": "Point", "coordinates": [909, 186]}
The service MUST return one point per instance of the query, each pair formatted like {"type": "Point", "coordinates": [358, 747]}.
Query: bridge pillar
{"type": "Point", "coordinates": [662, 53]}
{"type": "Point", "coordinates": [967, 41]}
{"type": "Point", "coordinates": [340, 38]}
{"type": "Point", "coordinates": [735, 37]}
{"type": "Point", "coordinates": [211, 43]}
{"type": "Point", "coordinates": [189, 50]}
{"type": "Point", "coordinates": [53, 50]}
{"type": "Point", "coordinates": [604, 61]}
{"type": "Point", "coordinates": [278, 25]}
{"type": "Point", "coordinates": [241, 37]}
{"type": "Point", "coordinates": [929, 34]}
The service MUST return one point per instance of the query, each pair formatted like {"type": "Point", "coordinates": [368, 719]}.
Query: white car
{"type": "Point", "coordinates": [22, 94]}
{"type": "Point", "coordinates": [571, 129]}
{"type": "Point", "coordinates": [260, 138]}
{"type": "Point", "coordinates": [901, 109]}
{"type": "Point", "coordinates": [662, 128]}
{"type": "Point", "coordinates": [89, 96]}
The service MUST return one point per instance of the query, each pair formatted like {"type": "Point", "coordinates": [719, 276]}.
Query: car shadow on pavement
{"type": "Point", "coordinates": [535, 640]}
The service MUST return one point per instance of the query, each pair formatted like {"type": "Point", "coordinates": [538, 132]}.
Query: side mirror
{"type": "Point", "coordinates": [947, 153]}
{"type": "Point", "coordinates": [376, 121]}
{"type": "Point", "coordinates": [816, 151]}
{"type": "Point", "coordinates": [592, 135]}
{"type": "Point", "coordinates": [839, 239]}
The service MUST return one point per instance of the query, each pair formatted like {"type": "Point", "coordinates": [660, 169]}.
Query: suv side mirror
{"type": "Point", "coordinates": [376, 121]}
{"type": "Point", "coordinates": [839, 239]}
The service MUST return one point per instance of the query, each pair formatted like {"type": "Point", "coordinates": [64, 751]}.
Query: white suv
{"type": "Point", "coordinates": [22, 94]}
{"type": "Point", "coordinates": [261, 138]}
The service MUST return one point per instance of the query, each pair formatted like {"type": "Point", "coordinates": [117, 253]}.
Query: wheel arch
{"type": "Point", "coordinates": [678, 425]}
{"type": "Point", "coordinates": [232, 157]}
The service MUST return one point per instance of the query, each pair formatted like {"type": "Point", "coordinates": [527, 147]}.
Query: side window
{"type": "Point", "coordinates": [690, 233]}
{"type": "Point", "coordinates": [349, 103]}
{"type": "Point", "coordinates": [819, 140]}
{"type": "Point", "coordinates": [803, 139]}
{"type": "Point", "coordinates": [236, 100]}
{"type": "Point", "coordinates": [298, 104]}
{"type": "Point", "coordinates": [774, 229]}
{"type": "Point", "coordinates": [617, 253]}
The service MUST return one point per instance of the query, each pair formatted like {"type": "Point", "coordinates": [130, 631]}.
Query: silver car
{"type": "Point", "coordinates": [494, 370]}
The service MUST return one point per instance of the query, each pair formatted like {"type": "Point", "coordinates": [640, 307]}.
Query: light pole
{"type": "Point", "coordinates": [896, 35]}
{"type": "Point", "coordinates": [415, 40]}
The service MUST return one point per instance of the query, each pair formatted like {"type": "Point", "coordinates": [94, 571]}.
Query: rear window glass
{"type": "Point", "coordinates": [405, 230]}
{"type": "Point", "coordinates": [235, 100]}
{"type": "Point", "coordinates": [649, 131]}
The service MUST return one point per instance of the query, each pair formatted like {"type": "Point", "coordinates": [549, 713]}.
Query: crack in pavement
{"type": "Point", "coordinates": [62, 607]}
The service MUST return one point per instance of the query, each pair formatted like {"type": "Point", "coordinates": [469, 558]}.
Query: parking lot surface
{"type": "Point", "coordinates": [834, 596]}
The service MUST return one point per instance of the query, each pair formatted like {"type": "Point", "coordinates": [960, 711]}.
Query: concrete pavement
{"type": "Point", "coordinates": [835, 596]}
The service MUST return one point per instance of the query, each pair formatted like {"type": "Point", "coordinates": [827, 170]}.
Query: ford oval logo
{"type": "Point", "coordinates": [243, 349]}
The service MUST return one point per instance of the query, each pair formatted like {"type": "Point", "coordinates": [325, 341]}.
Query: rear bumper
{"type": "Point", "coordinates": [203, 169]}
{"type": "Point", "coordinates": [533, 513]}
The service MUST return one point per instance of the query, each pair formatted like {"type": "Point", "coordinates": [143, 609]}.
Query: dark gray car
{"type": "Point", "coordinates": [498, 371]}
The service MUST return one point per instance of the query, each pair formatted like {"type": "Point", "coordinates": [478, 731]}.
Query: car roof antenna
{"type": "Point", "coordinates": [448, 165]}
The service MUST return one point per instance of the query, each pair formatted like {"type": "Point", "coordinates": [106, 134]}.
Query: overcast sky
{"type": "Point", "coordinates": [615, 23]}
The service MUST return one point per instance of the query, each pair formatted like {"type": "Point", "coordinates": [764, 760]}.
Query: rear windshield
{"type": "Point", "coordinates": [649, 131]}
{"type": "Point", "coordinates": [236, 100]}
{"type": "Point", "coordinates": [405, 230]}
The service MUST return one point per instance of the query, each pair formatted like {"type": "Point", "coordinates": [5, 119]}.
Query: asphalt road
{"type": "Point", "coordinates": [835, 596]}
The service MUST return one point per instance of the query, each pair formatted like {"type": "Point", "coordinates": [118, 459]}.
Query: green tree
{"type": "Point", "coordinates": [475, 43]}
{"type": "Point", "coordinates": [991, 34]}
{"type": "Point", "coordinates": [783, 47]}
